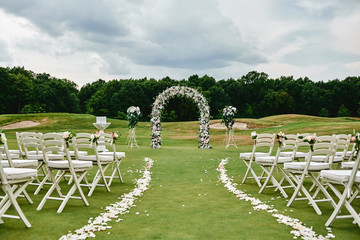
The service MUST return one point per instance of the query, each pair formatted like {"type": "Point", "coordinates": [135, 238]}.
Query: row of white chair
{"type": "Point", "coordinates": [49, 155]}
{"type": "Point", "coordinates": [318, 164]}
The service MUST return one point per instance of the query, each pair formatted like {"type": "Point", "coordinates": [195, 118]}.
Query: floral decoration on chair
{"type": "Point", "coordinates": [253, 135]}
{"type": "Point", "coordinates": [68, 137]}
{"type": "Point", "coordinates": [133, 115]}
{"type": "Point", "coordinates": [281, 137]}
{"type": "Point", "coordinates": [228, 116]}
{"type": "Point", "coordinates": [356, 139]}
{"type": "Point", "coordinates": [114, 136]}
{"type": "Point", "coordinates": [2, 138]}
{"type": "Point", "coordinates": [311, 139]}
{"type": "Point", "coordinates": [94, 137]}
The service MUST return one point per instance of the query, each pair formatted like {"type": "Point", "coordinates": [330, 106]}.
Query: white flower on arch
{"type": "Point", "coordinates": [199, 100]}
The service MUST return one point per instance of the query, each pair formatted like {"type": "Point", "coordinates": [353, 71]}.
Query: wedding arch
{"type": "Point", "coordinates": [199, 100]}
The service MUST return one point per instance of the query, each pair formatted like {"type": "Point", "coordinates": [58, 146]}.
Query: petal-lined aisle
{"type": "Point", "coordinates": [113, 211]}
{"type": "Point", "coordinates": [300, 230]}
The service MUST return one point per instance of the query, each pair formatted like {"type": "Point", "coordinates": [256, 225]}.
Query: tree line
{"type": "Point", "coordinates": [255, 95]}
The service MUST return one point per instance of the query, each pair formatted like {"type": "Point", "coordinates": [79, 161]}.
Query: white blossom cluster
{"type": "Point", "coordinates": [199, 100]}
{"type": "Point", "coordinates": [113, 211]}
{"type": "Point", "coordinates": [299, 229]}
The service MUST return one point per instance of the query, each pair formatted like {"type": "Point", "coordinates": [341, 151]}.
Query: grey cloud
{"type": "Point", "coordinates": [82, 16]}
{"type": "Point", "coordinates": [193, 37]}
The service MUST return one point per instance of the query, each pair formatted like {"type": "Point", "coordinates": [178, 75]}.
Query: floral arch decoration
{"type": "Point", "coordinates": [199, 100]}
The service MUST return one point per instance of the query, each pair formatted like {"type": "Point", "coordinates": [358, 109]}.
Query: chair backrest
{"type": "Point", "coordinates": [30, 141]}
{"type": "Point", "coordinates": [107, 141]}
{"type": "Point", "coordinates": [264, 140]}
{"type": "Point", "coordinates": [325, 150]}
{"type": "Point", "coordinates": [52, 136]}
{"type": "Point", "coordinates": [342, 143]}
{"type": "Point", "coordinates": [82, 141]}
{"type": "Point", "coordinates": [51, 146]}
{"type": "Point", "coordinates": [4, 151]}
{"type": "Point", "coordinates": [289, 145]}
{"type": "Point", "coordinates": [291, 137]}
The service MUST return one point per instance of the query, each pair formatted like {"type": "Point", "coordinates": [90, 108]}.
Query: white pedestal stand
{"type": "Point", "coordinates": [131, 139]}
{"type": "Point", "coordinates": [101, 126]}
{"type": "Point", "coordinates": [230, 138]}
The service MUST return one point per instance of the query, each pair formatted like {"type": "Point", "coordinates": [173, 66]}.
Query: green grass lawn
{"type": "Point", "coordinates": [185, 199]}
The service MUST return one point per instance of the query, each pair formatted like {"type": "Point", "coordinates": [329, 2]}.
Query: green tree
{"type": "Point", "coordinates": [343, 112]}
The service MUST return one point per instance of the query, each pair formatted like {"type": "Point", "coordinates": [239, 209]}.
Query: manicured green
{"type": "Point", "coordinates": [185, 200]}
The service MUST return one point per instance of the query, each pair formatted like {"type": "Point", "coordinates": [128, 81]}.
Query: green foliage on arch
{"type": "Point", "coordinates": [199, 100]}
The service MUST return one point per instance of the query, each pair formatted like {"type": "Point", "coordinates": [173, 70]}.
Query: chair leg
{"type": "Point", "coordinates": [247, 171]}
{"type": "Point", "coordinates": [99, 174]}
{"type": "Point", "coordinates": [49, 192]}
{"type": "Point", "coordinates": [250, 170]}
{"type": "Point", "coordinates": [72, 191]}
{"type": "Point", "coordinates": [41, 185]}
{"type": "Point", "coordinates": [299, 183]}
{"type": "Point", "coordinates": [337, 209]}
{"type": "Point", "coordinates": [117, 169]}
{"type": "Point", "coordinates": [18, 210]}
{"type": "Point", "coordinates": [12, 201]}
{"type": "Point", "coordinates": [269, 174]}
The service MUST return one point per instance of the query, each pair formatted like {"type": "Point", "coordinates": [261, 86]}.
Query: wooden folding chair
{"type": "Point", "coordinates": [341, 148]}
{"type": "Point", "coordinates": [84, 141]}
{"type": "Point", "coordinates": [299, 171]}
{"type": "Point", "coordinates": [106, 139]}
{"type": "Point", "coordinates": [264, 141]}
{"type": "Point", "coordinates": [47, 140]}
{"type": "Point", "coordinates": [10, 160]}
{"type": "Point", "coordinates": [270, 163]}
{"type": "Point", "coordinates": [14, 181]}
{"type": "Point", "coordinates": [342, 183]}
{"type": "Point", "coordinates": [76, 168]}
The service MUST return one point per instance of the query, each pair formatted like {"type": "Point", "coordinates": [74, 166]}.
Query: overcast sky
{"type": "Point", "coordinates": [84, 40]}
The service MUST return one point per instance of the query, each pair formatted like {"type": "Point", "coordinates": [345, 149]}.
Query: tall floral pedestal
{"type": "Point", "coordinates": [131, 139]}
{"type": "Point", "coordinates": [101, 126]}
{"type": "Point", "coordinates": [229, 138]}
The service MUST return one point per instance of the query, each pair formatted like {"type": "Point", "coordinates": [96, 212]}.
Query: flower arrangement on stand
{"type": "Point", "coordinates": [200, 101]}
{"type": "Point", "coordinates": [253, 135]}
{"type": "Point", "coordinates": [228, 120]}
{"type": "Point", "coordinates": [133, 115]}
{"type": "Point", "coordinates": [2, 138]}
{"type": "Point", "coordinates": [281, 137]}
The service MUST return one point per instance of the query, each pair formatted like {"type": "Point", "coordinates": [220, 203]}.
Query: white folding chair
{"type": "Point", "coordinates": [76, 168]}
{"type": "Point", "coordinates": [341, 148]}
{"type": "Point", "coordinates": [264, 142]}
{"type": "Point", "coordinates": [47, 140]}
{"type": "Point", "coordinates": [31, 145]}
{"type": "Point", "coordinates": [14, 181]}
{"type": "Point", "coordinates": [300, 144]}
{"type": "Point", "coordinates": [108, 141]}
{"type": "Point", "coordinates": [299, 171]}
{"type": "Point", "coordinates": [342, 183]}
{"type": "Point", "coordinates": [270, 163]}
{"type": "Point", "coordinates": [83, 141]}
{"type": "Point", "coordinates": [9, 160]}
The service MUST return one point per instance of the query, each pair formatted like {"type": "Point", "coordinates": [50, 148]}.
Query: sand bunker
{"type": "Point", "coordinates": [22, 124]}
{"type": "Point", "coordinates": [237, 125]}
